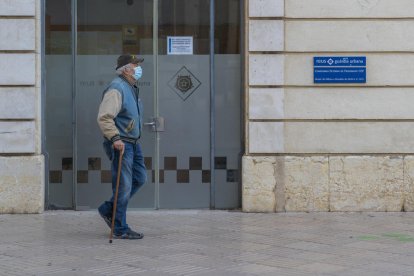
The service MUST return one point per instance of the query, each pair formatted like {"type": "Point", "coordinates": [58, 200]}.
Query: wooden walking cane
{"type": "Point", "coordinates": [121, 153]}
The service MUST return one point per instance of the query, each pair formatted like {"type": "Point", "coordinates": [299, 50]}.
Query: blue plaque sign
{"type": "Point", "coordinates": [340, 69]}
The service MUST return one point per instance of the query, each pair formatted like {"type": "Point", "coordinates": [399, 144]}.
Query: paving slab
{"type": "Point", "coordinates": [204, 242]}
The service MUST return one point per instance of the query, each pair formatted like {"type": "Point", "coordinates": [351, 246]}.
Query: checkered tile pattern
{"type": "Point", "coordinates": [170, 164]}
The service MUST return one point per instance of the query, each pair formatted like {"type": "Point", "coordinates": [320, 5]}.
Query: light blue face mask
{"type": "Point", "coordinates": [138, 73]}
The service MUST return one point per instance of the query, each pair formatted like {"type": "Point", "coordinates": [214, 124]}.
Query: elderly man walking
{"type": "Point", "coordinates": [120, 120]}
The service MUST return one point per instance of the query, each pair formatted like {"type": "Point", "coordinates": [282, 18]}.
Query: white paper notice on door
{"type": "Point", "coordinates": [179, 45]}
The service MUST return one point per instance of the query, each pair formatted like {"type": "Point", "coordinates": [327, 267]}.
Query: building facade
{"type": "Point", "coordinates": [329, 147]}
{"type": "Point", "coordinates": [247, 124]}
{"type": "Point", "coordinates": [22, 163]}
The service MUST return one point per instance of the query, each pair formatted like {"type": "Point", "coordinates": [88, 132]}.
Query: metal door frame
{"type": "Point", "coordinates": [156, 107]}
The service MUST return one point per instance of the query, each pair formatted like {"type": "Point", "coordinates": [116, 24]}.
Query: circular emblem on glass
{"type": "Point", "coordinates": [184, 83]}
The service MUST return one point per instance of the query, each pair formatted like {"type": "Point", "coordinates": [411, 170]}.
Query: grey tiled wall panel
{"type": "Point", "coordinates": [17, 7]}
{"type": "Point", "coordinates": [17, 137]}
{"type": "Point", "coordinates": [17, 103]}
{"type": "Point", "coordinates": [17, 34]}
{"type": "Point", "coordinates": [17, 69]}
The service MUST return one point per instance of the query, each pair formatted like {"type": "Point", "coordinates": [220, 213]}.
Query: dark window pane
{"type": "Point", "coordinates": [227, 27]}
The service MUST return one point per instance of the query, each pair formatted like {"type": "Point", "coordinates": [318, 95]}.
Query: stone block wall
{"type": "Point", "coordinates": [331, 147]}
{"type": "Point", "coordinates": [21, 161]}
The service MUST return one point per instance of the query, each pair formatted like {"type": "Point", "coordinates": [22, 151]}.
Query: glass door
{"type": "Point", "coordinates": [184, 103]}
{"type": "Point", "coordinates": [190, 90]}
{"type": "Point", "coordinates": [59, 108]}
{"type": "Point", "coordinates": [228, 132]}
{"type": "Point", "coordinates": [105, 30]}
{"type": "Point", "coordinates": [199, 99]}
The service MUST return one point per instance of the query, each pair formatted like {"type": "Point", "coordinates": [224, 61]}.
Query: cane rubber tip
{"type": "Point", "coordinates": [110, 241]}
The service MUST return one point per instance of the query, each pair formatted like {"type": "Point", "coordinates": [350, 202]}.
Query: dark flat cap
{"type": "Point", "coordinates": [127, 59]}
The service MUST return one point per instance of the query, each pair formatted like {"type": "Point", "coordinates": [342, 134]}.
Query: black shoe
{"type": "Point", "coordinates": [107, 219]}
{"type": "Point", "coordinates": [130, 235]}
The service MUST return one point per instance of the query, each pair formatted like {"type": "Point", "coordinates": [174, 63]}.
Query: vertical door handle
{"type": "Point", "coordinates": [156, 124]}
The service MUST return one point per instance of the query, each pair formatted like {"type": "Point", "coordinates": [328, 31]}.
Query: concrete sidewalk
{"type": "Point", "coordinates": [209, 243]}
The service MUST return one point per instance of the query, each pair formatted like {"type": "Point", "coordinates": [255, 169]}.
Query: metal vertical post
{"type": "Point", "coordinates": [212, 110]}
{"type": "Point", "coordinates": [74, 112]}
{"type": "Point", "coordinates": [43, 97]}
{"type": "Point", "coordinates": [243, 105]}
{"type": "Point", "coordinates": [156, 111]}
